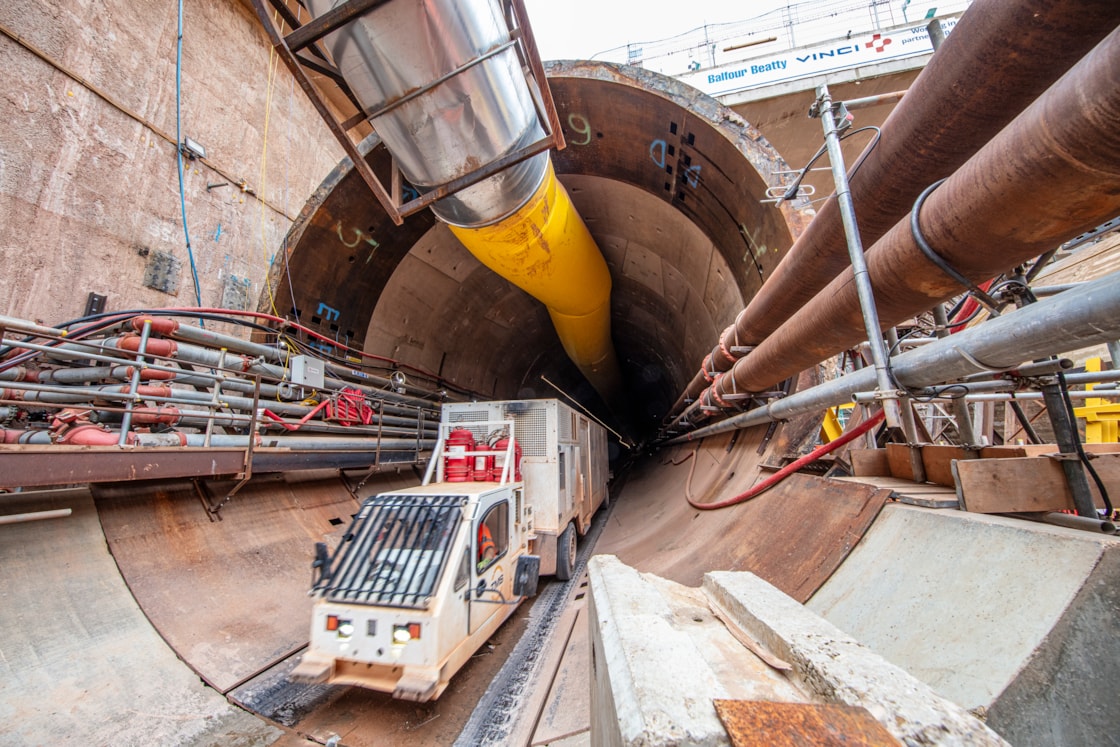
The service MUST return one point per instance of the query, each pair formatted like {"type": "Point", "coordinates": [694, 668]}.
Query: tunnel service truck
{"type": "Point", "coordinates": [425, 575]}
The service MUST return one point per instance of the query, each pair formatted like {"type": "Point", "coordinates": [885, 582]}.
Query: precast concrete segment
{"type": "Point", "coordinates": [1080, 655]}
{"type": "Point", "coordinates": [545, 249]}
{"type": "Point", "coordinates": [998, 59]}
{"type": "Point", "coordinates": [81, 664]}
{"type": "Point", "coordinates": [964, 601]}
{"type": "Point", "coordinates": [1050, 175]}
{"type": "Point", "coordinates": [831, 666]}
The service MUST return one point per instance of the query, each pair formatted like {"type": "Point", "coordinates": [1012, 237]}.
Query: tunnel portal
{"type": "Point", "coordinates": [672, 187]}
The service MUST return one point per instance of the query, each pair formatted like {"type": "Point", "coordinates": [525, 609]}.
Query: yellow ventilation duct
{"type": "Point", "coordinates": [545, 249]}
{"type": "Point", "coordinates": [443, 86]}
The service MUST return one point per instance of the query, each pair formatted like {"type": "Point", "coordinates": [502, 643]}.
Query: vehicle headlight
{"type": "Point", "coordinates": [405, 633]}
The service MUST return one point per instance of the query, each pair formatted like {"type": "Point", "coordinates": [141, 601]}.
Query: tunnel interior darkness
{"type": "Point", "coordinates": [670, 185]}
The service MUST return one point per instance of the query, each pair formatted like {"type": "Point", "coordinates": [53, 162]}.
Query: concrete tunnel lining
{"type": "Point", "coordinates": [670, 184]}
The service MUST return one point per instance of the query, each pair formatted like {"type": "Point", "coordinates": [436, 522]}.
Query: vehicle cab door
{"type": "Point", "coordinates": [493, 558]}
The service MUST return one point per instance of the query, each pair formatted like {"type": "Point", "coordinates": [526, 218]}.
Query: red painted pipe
{"type": "Point", "coordinates": [151, 415]}
{"type": "Point", "coordinates": [294, 426]}
{"type": "Point", "coordinates": [160, 325]}
{"type": "Point", "coordinates": [131, 343]}
{"type": "Point", "coordinates": [92, 435]}
{"type": "Point", "coordinates": [792, 467]}
{"type": "Point", "coordinates": [149, 374]}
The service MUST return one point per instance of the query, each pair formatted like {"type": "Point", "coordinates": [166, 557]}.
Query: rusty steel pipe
{"type": "Point", "coordinates": [1052, 174]}
{"type": "Point", "coordinates": [1008, 53]}
{"type": "Point", "coordinates": [1087, 316]}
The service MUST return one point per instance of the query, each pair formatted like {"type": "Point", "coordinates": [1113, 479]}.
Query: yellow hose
{"type": "Point", "coordinates": [545, 249]}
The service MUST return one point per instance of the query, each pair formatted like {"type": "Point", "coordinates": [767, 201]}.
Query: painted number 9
{"type": "Point", "coordinates": [583, 129]}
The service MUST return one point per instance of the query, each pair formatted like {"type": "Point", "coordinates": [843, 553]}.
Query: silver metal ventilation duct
{"type": "Point", "coordinates": [443, 81]}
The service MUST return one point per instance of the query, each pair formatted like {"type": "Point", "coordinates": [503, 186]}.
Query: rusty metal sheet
{"type": "Point", "coordinates": [800, 531]}
{"type": "Point", "coordinates": [229, 596]}
{"type": "Point", "coordinates": [793, 535]}
{"type": "Point", "coordinates": [756, 723]}
{"type": "Point", "coordinates": [38, 466]}
{"type": "Point", "coordinates": [804, 529]}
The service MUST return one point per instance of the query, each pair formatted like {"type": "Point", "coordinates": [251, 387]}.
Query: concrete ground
{"type": "Point", "coordinates": [80, 663]}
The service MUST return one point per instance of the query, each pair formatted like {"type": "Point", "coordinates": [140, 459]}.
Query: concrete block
{"type": "Point", "coordinates": [649, 682]}
{"type": "Point", "coordinates": [1067, 691]}
{"type": "Point", "coordinates": [834, 667]}
{"type": "Point", "coordinates": [660, 656]}
{"type": "Point", "coordinates": [1011, 617]}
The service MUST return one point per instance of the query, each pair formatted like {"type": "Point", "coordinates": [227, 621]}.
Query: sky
{"type": "Point", "coordinates": [577, 29]}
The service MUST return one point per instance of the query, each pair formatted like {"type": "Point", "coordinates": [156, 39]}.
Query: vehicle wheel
{"type": "Point", "coordinates": [566, 553]}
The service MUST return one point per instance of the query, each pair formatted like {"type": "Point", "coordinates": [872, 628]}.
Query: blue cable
{"type": "Point", "coordinates": [179, 153]}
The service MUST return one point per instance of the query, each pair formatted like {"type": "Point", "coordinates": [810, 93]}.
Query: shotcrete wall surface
{"type": "Point", "coordinates": [89, 187]}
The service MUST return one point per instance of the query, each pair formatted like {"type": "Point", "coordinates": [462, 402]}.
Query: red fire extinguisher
{"type": "Point", "coordinates": [457, 466]}
{"type": "Point", "coordinates": [483, 463]}
{"type": "Point", "coordinates": [499, 448]}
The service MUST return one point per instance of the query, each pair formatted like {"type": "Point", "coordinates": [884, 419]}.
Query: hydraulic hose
{"type": "Point", "coordinates": [792, 467]}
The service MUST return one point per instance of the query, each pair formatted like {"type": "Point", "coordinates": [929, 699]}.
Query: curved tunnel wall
{"type": "Point", "coordinates": [669, 183]}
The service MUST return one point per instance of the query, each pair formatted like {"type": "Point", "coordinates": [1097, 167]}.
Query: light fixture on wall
{"type": "Point", "coordinates": [192, 149]}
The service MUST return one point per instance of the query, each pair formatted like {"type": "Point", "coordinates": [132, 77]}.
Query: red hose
{"type": "Point", "coordinates": [294, 426]}
{"type": "Point", "coordinates": [792, 467]}
{"type": "Point", "coordinates": [970, 305]}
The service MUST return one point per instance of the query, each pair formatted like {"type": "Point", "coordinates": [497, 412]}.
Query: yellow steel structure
{"type": "Point", "coordinates": [832, 427]}
{"type": "Point", "coordinates": [1102, 417]}
{"type": "Point", "coordinates": [545, 249]}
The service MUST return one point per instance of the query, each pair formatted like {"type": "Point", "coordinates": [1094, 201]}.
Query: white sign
{"type": "Point", "coordinates": [867, 49]}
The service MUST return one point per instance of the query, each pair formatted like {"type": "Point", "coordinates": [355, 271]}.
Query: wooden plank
{"type": "Point", "coordinates": [897, 484]}
{"type": "Point", "coordinates": [869, 462]}
{"type": "Point", "coordinates": [936, 459]}
{"type": "Point", "coordinates": [1037, 450]}
{"type": "Point", "coordinates": [1102, 448]}
{"type": "Point", "coordinates": [926, 495]}
{"type": "Point", "coordinates": [947, 499]}
{"type": "Point", "coordinates": [1017, 451]}
{"type": "Point", "coordinates": [898, 455]}
{"type": "Point", "coordinates": [1026, 484]}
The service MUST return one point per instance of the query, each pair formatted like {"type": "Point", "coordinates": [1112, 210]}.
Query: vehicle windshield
{"type": "Point", "coordinates": [395, 551]}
